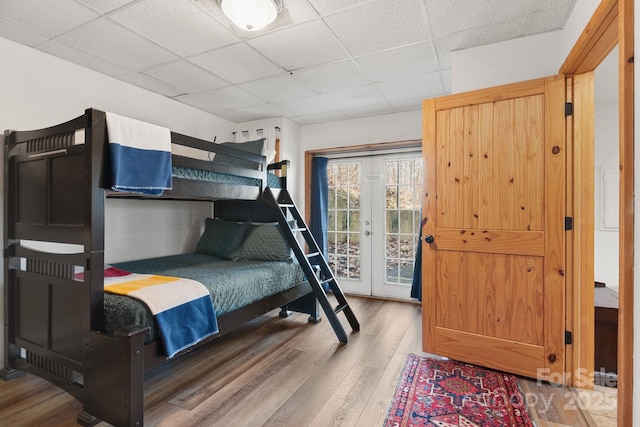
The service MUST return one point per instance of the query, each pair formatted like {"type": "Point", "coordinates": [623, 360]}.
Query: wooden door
{"type": "Point", "coordinates": [493, 278]}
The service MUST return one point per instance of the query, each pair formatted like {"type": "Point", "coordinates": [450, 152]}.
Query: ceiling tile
{"type": "Point", "coordinates": [308, 105]}
{"type": "Point", "coordinates": [451, 16]}
{"type": "Point", "coordinates": [232, 116]}
{"type": "Point", "coordinates": [186, 76]}
{"type": "Point", "coordinates": [201, 103]}
{"type": "Point", "coordinates": [105, 6]}
{"type": "Point", "coordinates": [12, 30]}
{"type": "Point", "coordinates": [335, 76]}
{"type": "Point", "coordinates": [80, 57]}
{"type": "Point", "coordinates": [489, 34]}
{"type": "Point", "coordinates": [325, 7]}
{"type": "Point", "coordinates": [260, 112]}
{"type": "Point", "coordinates": [151, 84]}
{"type": "Point", "coordinates": [408, 104]}
{"type": "Point", "coordinates": [369, 110]}
{"type": "Point", "coordinates": [175, 24]}
{"type": "Point", "coordinates": [37, 14]}
{"type": "Point", "coordinates": [355, 97]}
{"type": "Point", "coordinates": [404, 61]}
{"type": "Point", "coordinates": [479, 36]}
{"type": "Point", "coordinates": [295, 12]}
{"type": "Point", "coordinates": [379, 25]}
{"type": "Point", "coordinates": [116, 44]}
{"type": "Point", "coordinates": [227, 98]}
{"type": "Point", "coordinates": [278, 88]}
{"type": "Point", "coordinates": [423, 86]}
{"type": "Point", "coordinates": [237, 64]}
{"type": "Point", "coordinates": [330, 116]}
{"type": "Point", "coordinates": [547, 20]}
{"type": "Point", "coordinates": [300, 46]}
{"type": "Point", "coordinates": [539, 5]}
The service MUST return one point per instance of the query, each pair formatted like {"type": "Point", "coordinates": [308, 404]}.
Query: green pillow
{"type": "Point", "coordinates": [221, 238]}
{"type": "Point", "coordinates": [254, 147]}
{"type": "Point", "coordinates": [264, 243]}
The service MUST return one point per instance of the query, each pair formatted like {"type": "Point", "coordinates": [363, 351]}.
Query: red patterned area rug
{"type": "Point", "coordinates": [446, 393]}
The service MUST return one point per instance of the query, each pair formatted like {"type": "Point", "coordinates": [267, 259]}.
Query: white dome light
{"type": "Point", "coordinates": [251, 15]}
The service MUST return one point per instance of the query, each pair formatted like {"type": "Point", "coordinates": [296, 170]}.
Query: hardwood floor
{"type": "Point", "coordinates": [285, 372]}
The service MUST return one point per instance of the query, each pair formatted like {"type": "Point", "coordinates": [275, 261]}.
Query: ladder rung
{"type": "Point", "coordinates": [286, 205]}
{"type": "Point", "coordinates": [298, 229]}
{"type": "Point", "coordinates": [339, 308]}
{"type": "Point", "coordinates": [312, 254]}
{"type": "Point", "coordinates": [326, 281]}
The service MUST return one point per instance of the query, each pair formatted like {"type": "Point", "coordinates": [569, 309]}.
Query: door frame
{"type": "Point", "coordinates": [611, 24]}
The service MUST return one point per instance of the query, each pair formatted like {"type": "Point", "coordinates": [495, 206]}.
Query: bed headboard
{"type": "Point", "coordinates": [244, 210]}
{"type": "Point", "coordinates": [51, 181]}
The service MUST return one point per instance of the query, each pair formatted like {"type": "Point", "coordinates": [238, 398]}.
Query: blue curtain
{"type": "Point", "coordinates": [416, 284]}
{"type": "Point", "coordinates": [319, 202]}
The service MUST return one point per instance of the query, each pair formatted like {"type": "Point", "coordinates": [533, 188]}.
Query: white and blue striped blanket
{"type": "Point", "coordinates": [182, 308]}
{"type": "Point", "coordinates": [140, 156]}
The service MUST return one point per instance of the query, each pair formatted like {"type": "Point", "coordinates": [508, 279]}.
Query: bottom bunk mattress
{"type": "Point", "coordinates": [232, 285]}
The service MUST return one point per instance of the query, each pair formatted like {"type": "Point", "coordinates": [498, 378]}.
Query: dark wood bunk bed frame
{"type": "Point", "coordinates": [55, 191]}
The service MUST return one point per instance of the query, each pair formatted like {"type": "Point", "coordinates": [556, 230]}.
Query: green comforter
{"type": "Point", "coordinates": [232, 284]}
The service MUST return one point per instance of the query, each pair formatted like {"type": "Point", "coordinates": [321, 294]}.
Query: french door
{"type": "Point", "coordinates": [374, 222]}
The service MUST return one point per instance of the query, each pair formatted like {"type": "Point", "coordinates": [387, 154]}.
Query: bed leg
{"type": "Point", "coordinates": [314, 319]}
{"type": "Point", "coordinates": [9, 374]}
{"type": "Point", "coordinates": [307, 304]}
{"type": "Point", "coordinates": [87, 420]}
{"type": "Point", "coordinates": [284, 312]}
{"type": "Point", "coordinates": [113, 389]}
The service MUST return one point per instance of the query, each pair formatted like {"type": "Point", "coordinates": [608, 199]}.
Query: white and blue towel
{"type": "Point", "coordinates": [140, 156]}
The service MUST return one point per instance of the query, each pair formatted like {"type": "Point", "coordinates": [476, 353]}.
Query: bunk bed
{"type": "Point", "coordinates": [57, 180]}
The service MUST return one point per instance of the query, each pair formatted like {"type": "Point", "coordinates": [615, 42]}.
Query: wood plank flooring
{"type": "Point", "coordinates": [285, 372]}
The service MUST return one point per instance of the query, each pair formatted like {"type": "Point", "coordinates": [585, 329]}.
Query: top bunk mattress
{"type": "Point", "coordinates": [232, 285]}
{"type": "Point", "coordinates": [273, 181]}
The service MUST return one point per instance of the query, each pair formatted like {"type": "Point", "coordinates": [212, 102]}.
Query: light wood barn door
{"type": "Point", "coordinates": [494, 205]}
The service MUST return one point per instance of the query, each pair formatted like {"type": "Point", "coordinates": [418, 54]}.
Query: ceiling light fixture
{"type": "Point", "coordinates": [251, 15]}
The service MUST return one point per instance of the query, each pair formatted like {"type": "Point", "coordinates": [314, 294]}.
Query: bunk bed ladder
{"type": "Point", "coordinates": [283, 204]}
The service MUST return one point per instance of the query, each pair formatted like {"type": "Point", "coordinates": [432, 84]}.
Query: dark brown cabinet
{"type": "Point", "coordinates": [606, 336]}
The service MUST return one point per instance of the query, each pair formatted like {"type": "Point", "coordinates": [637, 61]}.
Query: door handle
{"type": "Point", "coordinates": [429, 238]}
{"type": "Point", "coordinates": [367, 233]}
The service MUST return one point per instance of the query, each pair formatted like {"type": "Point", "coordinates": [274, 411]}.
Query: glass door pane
{"type": "Point", "coordinates": [403, 182]}
{"type": "Point", "coordinates": [345, 228]}
{"type": "Point", "coordinates": [402, 191]}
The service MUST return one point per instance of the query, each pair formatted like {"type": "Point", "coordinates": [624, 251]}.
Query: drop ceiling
{"type": "Point", "coordinates": [321, 60]}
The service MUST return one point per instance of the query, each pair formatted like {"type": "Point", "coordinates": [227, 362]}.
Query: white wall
{"type": "Point", "coordinates": [289, 148]}
{"type": "Point", "coordinates": [368, 130]}
{"type": "Point", "coordinates": [516, 60]}
{"type": "Point", "coordinates": [580, 16]}
{"type": "Point", "coordinates": [606, 156]}
{"type": "Point", "coordinates": [38, 90]}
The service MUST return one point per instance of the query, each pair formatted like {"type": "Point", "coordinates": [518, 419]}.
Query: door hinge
{"type": "Point", "coordinates": [568, 109]}
{"type": "Point", "coordinates": [568, 337]}
{"type": "Point", "coordinates": [568, 223]}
